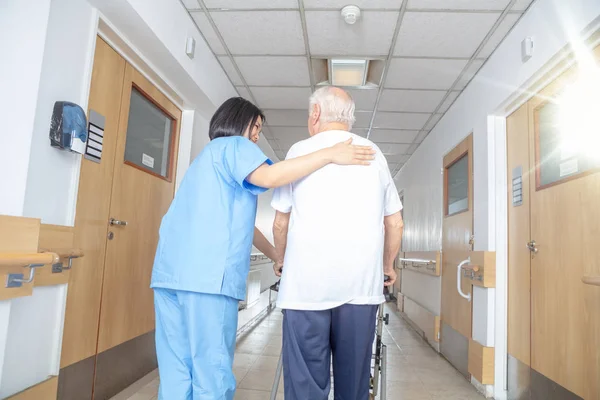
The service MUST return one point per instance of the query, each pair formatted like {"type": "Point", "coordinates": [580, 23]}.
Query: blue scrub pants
{"type": "Point", "coordinates": [195, 344]}
{"type": "Point", "coordinates": [310, 338]}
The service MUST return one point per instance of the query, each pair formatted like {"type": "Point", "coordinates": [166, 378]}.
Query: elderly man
{"type": "Point", "coordinates": [337, 232]}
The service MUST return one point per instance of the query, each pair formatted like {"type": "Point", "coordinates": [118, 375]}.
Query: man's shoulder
{"type": "Point", "coordinates": [363, 141]}
{"type": "Point", "coordinates": [303, 147]}
{"type": "Point", "coordinates": [328, 139]}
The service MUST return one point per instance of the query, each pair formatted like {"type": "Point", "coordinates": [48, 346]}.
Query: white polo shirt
{"type": "Point", "coordinates": [334, 252]}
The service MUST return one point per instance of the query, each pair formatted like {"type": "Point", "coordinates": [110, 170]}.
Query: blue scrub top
{"type": "Point", "coordinates": [206, 236]}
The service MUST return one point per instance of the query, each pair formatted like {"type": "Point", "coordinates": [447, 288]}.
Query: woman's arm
{"type": "Point", "coordinates": [288, 171]}
{"type": "Point", "coordinates": [263, 245]}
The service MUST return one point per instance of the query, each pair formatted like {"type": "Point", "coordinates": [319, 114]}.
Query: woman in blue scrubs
{"type": "Point", "coordinates": [203, 254]}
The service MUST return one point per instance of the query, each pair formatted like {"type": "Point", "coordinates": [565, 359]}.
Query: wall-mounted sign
{"type": "Point", "coordinates": [93, 149]}
{"type": "Point", "coordinates": [517, 186]}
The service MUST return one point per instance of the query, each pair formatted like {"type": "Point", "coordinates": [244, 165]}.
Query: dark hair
{"type": "Point", "coordinates": [233, 117]}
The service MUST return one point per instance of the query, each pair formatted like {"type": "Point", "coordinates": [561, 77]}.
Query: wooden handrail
{"type": "Point", "coordinates": [416, 261]}
{"type": "Point", "coordinates": [474, 268]}
{"type": "Point", "coordinates": [25, 259]}
{"type": "Point", "coordinates": [591, 280]}
{"type": "Point", "coordinates": [65, 253]}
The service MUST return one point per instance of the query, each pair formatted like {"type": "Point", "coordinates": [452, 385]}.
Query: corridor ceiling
{"type": "Point", "coordinates": [431, 49]}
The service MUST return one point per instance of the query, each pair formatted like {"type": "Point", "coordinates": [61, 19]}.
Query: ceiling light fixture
{"type": "Point", "coordinates": [351, 14]}
{"type": "Point", "coordinates": [348, 72]}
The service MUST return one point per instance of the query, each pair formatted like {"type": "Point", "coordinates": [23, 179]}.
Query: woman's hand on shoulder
{"type": "Point", "coordinates": [346, 153]}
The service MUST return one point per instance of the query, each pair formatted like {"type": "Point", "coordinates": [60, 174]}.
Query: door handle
{"type": "Point", "coordinates": [459, 280]}
{"type": "Point", "coordinates": [532, 247]}
{"type": "Point", "coordinates": [117, 222]}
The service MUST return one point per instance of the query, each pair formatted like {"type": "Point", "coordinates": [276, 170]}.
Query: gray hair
{"type": "Point", "coordinates": [334, 108]}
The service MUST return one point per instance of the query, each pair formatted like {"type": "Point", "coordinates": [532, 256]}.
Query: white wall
{"type": "Point", "coordinates": [47, 56]}
{"type": "Point", "coordinates": [552, 24]}
{"type": "Point", "coordinates": [53, 174]}
{"type": "Point", "coordinates": [172, 24]}
{"type": "Point", "coordinates": [158, 30]}
{"type": "Point", "coordinates": [20, 72]}
{"type": "Point", "coordinates": [200, 138]}
{"type": "Point", "coordinates": [424, 289]}
{"type": "Point", "coordinates": [51, 186]}
{"type": "Point", "coordinates": [19, 86]}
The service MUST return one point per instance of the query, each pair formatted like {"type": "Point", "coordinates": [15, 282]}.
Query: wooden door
{"type": "Point", "coordinates": [93, 204]}
{"type": "Point", "coordinates": [519, 257]}
{"type": "Point", "coordinates": [109, 300]}
{"type": "Point", "coordinates": [565, 225]}
{"type": "Point", "coordinates": [143, 188]}
{"type": "Point", "coordinates": [457, 234]}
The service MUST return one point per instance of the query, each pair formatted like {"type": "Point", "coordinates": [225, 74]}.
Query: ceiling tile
{"type": "Point", "coordinates": [452, 96]}
{"type": "Point", "coordinates": [505, 26]}
{"type": "Point", "coordinates": [243, 92]}
{"type": "Point", "coordinates": [274, 144]}
{"type": "Point", "coordinates": [267, 132]}
{"type": "Point", "coordinates": [417, 73]}
{"type": "Point", "coordinates": [364, 99]}
{"type": "Point", "coordinates": [329, 35]}
{"type": "Point", "coordinates": [469, 74]}
{"type": "Point", "coordinates": [492, 5]}
{"type": "Point", "coordinates": [208, 32]}
{"type": "Point", "coordinates": [363, 119]}
{"type": "Point", "coordinates": [281, 98]}
{"type": "Point", "coordinates": [250, 4]}
{"type": "Point", "coordinates": [360, 131]}
{"type": "Point", "coordinates": [191, 4]}
{"type": "Point", "coordinates": [431, 124]}
{"type": "Point", "coordinates": [522, 5]}
{"type": "Point", "coordinates": [339, 4]}
{"type": "Point", "coordinates": [386, 120]}
{"type": "Point", "coordinates": [392, 166]}
{"type": "Point", "coordinates": [261, 32]}
{"type": "Point", "coordinates": [287, 117]}
{"type": "Point", "coordinates": [421, 136]}
{"type": "Point", "coordinates": [405, 159]}
{"type": "Point", "coordinates": [274, 71]}
{"type": "Point", "coordinates": [393, 136]}
{"type": "Point", "coordinates": [410, 100]}
{"type": "Point", "coordinates": [413, 148]}
{"type": "Point", "coordinates": [288, 135]}
{"type": "Point", "coordinates": [398, 158]}
{"type": "Point", "coordinates": [230, 70]}
{"type": "Point", "coordinates": [280, 154]}
{"type": "Point", "coordinates": [446, 35]}
{"type": "Point", "coordinates": [393, 148]}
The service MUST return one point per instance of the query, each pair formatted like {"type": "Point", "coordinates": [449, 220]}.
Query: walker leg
{"type": "Point", "coordinates": [277, 377]}
{"type": "Point", "coordinates": [383, 372]}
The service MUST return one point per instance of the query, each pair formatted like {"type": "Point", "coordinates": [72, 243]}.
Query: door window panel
{"type": "Point", "coordinates": [567, 134]}
{"type": "Point", "coordinates": [149, 134]}
{"type": "Point", "coordinates": [458, 186]}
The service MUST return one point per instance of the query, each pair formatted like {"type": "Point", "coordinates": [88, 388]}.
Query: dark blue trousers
{"type": "Point", "coordinates": [311, 338]}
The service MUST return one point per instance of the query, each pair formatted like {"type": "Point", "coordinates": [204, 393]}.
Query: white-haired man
{"type": "Point", "coordinates": [336, 232]}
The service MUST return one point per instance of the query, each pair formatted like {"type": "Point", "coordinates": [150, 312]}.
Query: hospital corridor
{"type": "Point", "coordinates": [300, 199]}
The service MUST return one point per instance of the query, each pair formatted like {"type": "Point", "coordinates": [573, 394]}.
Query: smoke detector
{"type": "Point", "coordinates": [351, 14]}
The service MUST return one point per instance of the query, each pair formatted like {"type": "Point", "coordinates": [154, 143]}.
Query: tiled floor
{"type": "Point", "coordinates": [415, 371]}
